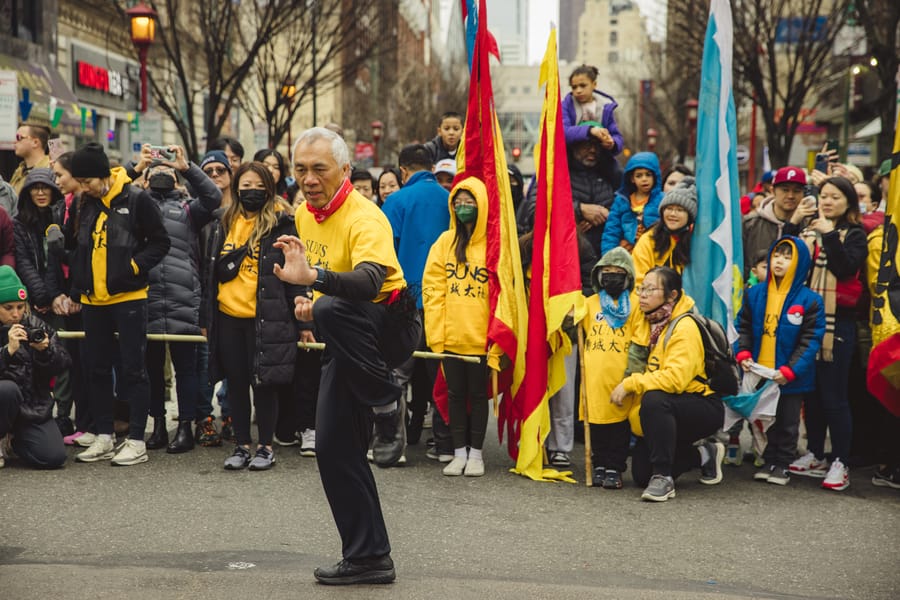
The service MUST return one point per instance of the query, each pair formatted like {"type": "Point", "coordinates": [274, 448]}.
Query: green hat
{"type": "Point", "coordinates": [885, 168]}
{"type": "Point", "coordinates": [616, 257]}
{"type": "Point", "coordinates": [11, 288]}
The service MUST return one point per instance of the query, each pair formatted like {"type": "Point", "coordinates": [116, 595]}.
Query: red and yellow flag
{"type": "Point", "coordinates": [481, 155]}
{"type": "Point", "coordinates": [555, 280]}
{"type": "Point", "coordinates": [883, 375]}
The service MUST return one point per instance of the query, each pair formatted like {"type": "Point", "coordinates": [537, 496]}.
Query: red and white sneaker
{"type": "Point", "coordinates": [838, 477]}
{"type": "Point", "coordinates": [810, 466]}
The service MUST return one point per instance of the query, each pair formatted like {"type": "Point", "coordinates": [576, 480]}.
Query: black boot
{"type": "Point", "coordinates": [390, 437]}
{"type": "Point", "coordinates": [184, 439]}
{"type": "Point", "coordinates": [160, 437]}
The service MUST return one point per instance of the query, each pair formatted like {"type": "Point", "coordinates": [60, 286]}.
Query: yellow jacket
{"type": "Point", "coordinates": [645, 257]}
{"type": "Point", "coordinates": [675, 366]}
{"type": "Point", "coordinates": [455, 297]}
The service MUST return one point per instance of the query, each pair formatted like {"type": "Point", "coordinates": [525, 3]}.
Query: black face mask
{"type": "Point", "coordinates": [161, 183]}
{"type": "Point", "coordinates": [613, 283]}
{"type": "Point", "coordinates": [252, 200]}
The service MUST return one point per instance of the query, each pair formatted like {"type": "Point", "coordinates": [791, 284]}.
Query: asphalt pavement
{"type": "Point", "coordinates": [179, 526]}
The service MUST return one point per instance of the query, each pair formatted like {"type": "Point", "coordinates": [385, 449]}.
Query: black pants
{"type": "Point", "coordinates": [781, 446]}
{"type": "Point", "coordinates": [297, 401]}
{"type": "Point", "coordinates": [39, 445]}
{"type": "Point", "coordinates": [354, 379]}
{"type": "Point", "coordinates": [467, 389]}
{"type": "Point", "coordinates": [101, 323]}
{"type": "Point", "coordinates": [609, 445]}
{"type": "Point", "coordinates": [236, 349]}
{"type": "Point", "coordinates": [673, 422]}
{"type": "Point", "coordinates": [184, 360]}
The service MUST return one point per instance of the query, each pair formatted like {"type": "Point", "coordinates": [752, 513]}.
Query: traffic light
{"type": "Point", "coordinates": [516, 153]}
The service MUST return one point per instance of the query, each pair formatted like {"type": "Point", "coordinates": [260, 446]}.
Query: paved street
{"type": "Point", "coordinates": [180, 526]}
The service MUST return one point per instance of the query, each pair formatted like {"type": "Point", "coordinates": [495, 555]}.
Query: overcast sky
{"type": "Point", "coordinates": [542, 12]}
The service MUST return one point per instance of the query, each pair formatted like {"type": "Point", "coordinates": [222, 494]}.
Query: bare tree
{"type": "Point", "coordinates": [880, 19]}
{"type": "Point", "coordinates": [203, 55]}
{"type": "Point", "coordinates": [322, 45]}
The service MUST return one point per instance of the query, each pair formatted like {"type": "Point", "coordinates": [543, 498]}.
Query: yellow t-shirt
{"type": "Point", "coordinates": [357, 232]}
{"type": "Point", "coordinates": [237, 298]}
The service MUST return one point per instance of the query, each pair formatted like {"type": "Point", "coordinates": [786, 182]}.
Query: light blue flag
{"type": "Point", "coordinates": [714, 276]}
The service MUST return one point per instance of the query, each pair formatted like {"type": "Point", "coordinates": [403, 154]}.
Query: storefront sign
{"type": "Point", "coordinates": [98, 78]}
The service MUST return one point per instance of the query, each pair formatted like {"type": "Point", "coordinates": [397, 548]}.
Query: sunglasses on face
{"type": "Point", "coordinates": [20, 137]}
{"type": "Point", "coordinates": [213, 171]}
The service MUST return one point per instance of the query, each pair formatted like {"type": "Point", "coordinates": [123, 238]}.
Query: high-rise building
{"type": "Point", "coordinates": [570, 12]}
{"type": "Point", "coordinates": [508, 21]}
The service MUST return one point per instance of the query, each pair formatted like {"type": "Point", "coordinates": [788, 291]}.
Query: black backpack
{"type": "Point", "coordinates": [722, 374]}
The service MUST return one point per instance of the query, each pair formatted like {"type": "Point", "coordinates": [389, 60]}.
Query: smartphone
{"type": "Point", "coordinates": [833, 144]}
{"type": "Point", "coordinates": [822, 162]}
{"type": "Point", "coordinates": [162, 152]}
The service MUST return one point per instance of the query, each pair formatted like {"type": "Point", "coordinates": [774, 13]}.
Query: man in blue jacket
{"type": "Point", "coordinates": [418, 215]}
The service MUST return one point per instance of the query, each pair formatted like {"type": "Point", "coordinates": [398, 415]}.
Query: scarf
{"type": "Point", "coordinates": [824, 282]}
{"type": "Point", "coordinates": [335, 203]}
{"type": "Point", "coordinates": [658, 320]}
{"type": "Point", "coordinates": [613, 314]}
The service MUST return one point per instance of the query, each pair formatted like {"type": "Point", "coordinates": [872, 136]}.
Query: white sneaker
{"type": "Point", "coordinates": [809, 465]}
{"type": "Point", "coordinates": [838, 477]}
{"type": "Point", "coordinates": [474, 467]}
{"type": "Point", "coordinates": [308, 443]}
{"type": "Point", "coordinates": [456, 466]}
{"type": "Point", "coordinates": [100, 449]}
{"type": "Point", "coordinates": [130, 452]}
{"type": "Point", "coordinates": [85, 439]}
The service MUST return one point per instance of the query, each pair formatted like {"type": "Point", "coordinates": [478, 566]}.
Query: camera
{"type": "Point", "coordinates": [36, 335]}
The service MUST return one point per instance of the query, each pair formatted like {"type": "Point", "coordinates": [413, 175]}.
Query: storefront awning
{"type": "Point", "coordinates": [46, 90]}
{"type": "Point", "coordinates": [871, 129]}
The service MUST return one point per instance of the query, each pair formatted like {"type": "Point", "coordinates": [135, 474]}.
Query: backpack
{"type": "Point", "coordinates": [721, 369]}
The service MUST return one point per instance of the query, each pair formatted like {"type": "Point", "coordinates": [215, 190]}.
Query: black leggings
{"type": "Point", "coordinates": [609, 445]}
{"type": "Point", "coordinates": [467, 387]}
{"type": "Point", "coordinates": [236, 350]}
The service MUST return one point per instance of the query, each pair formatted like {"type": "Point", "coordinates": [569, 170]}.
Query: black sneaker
{"type": "Point", "coordinates": [206, 434]}
{"type": "Point", "coordinates": [598, 477]}
{"type": "Point", "coordinates": [711, 470]}
{"type": "Point", "coordinates": [780, 476]}
{"type": "Point", "coordinates": [389, 433]}
{"type": "Point", "coordinates": [613, 480]}
{"type": "Point", "coordinates": [227, 432]}
{"type": "Point", "coordinates": [349, 572]}
{"type": "Point", "coordinates": [887, 477]}
{"type": "Point", "coordinates": [660, 489]}
{"type": "Point", "coordinates": [559, 459]}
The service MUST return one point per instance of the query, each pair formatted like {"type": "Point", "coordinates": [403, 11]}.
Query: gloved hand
{"type": "Point", "coordinates": [56, 241]}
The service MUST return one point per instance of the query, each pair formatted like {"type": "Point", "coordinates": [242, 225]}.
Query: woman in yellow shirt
{"type": "Point", "coordinates": [252, 330]}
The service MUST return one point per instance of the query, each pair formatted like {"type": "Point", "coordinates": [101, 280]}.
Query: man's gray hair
{"type": "Point", "coordinates": [338, 146]}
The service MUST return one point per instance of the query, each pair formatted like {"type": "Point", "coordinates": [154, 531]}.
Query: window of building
{"type": "Point", "coordinates": [613, 57]}
{"type": "Point", "coordinates": [613, 38]}
{"type": "Point", "coordinates": [513, 89]}
{"type": "Point", "coordinates": [19, 18]}
{"type": "Point", "coordinates": [526, 89]}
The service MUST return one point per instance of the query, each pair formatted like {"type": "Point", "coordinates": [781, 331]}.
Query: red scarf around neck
{"type": "Point", "coordinates": [335, 203]}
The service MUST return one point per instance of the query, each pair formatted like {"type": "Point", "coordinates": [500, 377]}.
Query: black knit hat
{"type": "Point", "coordinates": [90, 161]}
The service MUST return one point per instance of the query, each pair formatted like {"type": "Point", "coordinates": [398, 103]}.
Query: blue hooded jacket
{"type": "Point", "coordinates": [798, 334]}
{"type": "Point", "coordinates": [622, 223]}
{"type": "Point", "coordinates": [418, 215]}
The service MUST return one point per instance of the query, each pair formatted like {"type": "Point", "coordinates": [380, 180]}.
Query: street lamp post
{"type": "Point", "coordinates": [690, 109]}
{"type": "Point", "coordinates": [288, 90]}
{"type": "Point", "coordinates": [143, 32]}
{"type": "Point", "coordinates": [377, 130]}
{"type": "Point", "coordinates": [652, 134]}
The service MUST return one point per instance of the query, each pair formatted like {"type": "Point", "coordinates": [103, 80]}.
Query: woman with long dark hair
{"type": "Point", "coordinates": [668, 242]}
{"type": "Point", "coordinates": [274, 161]}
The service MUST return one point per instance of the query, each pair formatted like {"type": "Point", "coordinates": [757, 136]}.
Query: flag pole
{"type": "Point", "coordinates": [495, 382]}
{"type": "Point", "coordinates": [588, 465]}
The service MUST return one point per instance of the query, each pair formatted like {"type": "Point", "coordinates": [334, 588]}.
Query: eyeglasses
{"type": "Point", "coordinates": [646, 291]}
{"type": "Point", "coordinates": [213, 171]}
{"type": "Point", "coordinates": [40, 189]}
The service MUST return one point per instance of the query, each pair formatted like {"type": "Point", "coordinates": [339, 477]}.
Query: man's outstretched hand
{"type": "Point", "coordinates": [296, 269]}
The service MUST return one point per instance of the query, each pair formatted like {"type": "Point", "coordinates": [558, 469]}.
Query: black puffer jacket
{"type": "Point", "coordinates": [135, 231]}
{"type": "Point", "coordinates": [173, 301]}
{"type": "Point", "coordinates": [39, 269]}
{"type": "Point", "coordinates": [32, 370]}
{"type": "Point", "coordinates": [277, 331]}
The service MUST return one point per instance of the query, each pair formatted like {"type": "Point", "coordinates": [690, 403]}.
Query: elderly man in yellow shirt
{"type": "Point", "coordinates": [368, 321]}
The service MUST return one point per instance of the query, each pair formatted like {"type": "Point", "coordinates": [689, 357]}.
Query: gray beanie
{"type": "Point", "coordinates": [684, 194]}
{"type": "Point", "coordinates": [615, 257]}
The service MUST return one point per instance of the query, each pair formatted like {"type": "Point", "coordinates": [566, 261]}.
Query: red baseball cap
{"type": "Point", "coordinates": [789, 175]}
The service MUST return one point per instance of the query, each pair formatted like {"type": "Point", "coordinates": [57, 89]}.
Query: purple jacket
{"type": "Point", "coordinates": [579, 133]}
